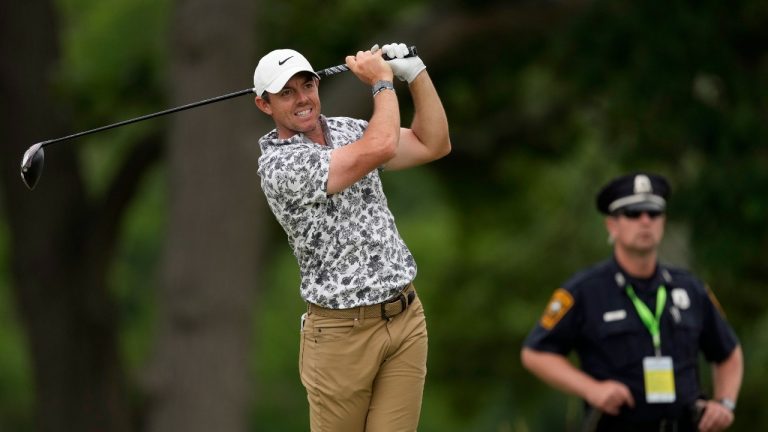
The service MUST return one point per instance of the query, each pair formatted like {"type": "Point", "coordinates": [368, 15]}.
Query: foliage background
{"type": "Point", "coordinates": [546, 101]}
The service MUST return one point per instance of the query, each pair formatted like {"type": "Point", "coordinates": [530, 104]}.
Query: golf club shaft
{"type": "Point", "coordinates": [149, 116]}
{"type": "Point", "coordinates": [333, 70]}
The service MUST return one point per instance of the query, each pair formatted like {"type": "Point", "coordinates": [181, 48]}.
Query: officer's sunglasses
{"type": "Point", "coordinates": [635, 214]}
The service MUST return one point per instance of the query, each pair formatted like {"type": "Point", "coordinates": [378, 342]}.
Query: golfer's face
{"type": "Point", "coordinates": [296, 108]}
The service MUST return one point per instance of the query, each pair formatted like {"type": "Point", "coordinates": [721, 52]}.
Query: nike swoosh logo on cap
{"type": "Point", "coordinates": [280, 62]}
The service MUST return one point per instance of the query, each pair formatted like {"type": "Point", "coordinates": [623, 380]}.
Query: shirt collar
{"type": "Point", "coordinates": [271, 139]}
{"type": "Point", "coordinates": [660, 277]}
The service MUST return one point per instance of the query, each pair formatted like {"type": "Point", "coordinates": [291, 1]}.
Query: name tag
{"type": "Point", "coordinates": [659, 376]}
{"type": "Point", "coordinates": [616, 315]}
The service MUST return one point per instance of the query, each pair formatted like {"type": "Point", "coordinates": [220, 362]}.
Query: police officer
{"type": "Point", "coordinates": [637, 327]}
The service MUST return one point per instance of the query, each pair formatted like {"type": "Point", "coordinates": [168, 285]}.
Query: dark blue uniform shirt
{"type": "Point", "coordinates": [602, 326]}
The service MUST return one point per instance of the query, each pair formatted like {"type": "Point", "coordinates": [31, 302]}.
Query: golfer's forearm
{"type": "Point", "coordinates": [430, 123]}
{"type": "Point", "coordinates": [727, 376]}
{"type": "Point", "coordinates": [383, 130]}
{"type": "Point", "coordinates": [376, 147]}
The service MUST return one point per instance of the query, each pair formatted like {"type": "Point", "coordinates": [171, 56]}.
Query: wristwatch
{"type": "Point", "coordinates": [380, 85]}
{"type": "Point", "coordinates": [728, 403]}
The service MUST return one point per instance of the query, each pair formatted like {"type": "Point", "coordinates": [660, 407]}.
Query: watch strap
{"type": "Point", "coordinates": [382, 85]}
{"type": "Point", "coordinates": [728, 403]}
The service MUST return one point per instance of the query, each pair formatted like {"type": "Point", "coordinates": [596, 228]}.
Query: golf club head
{"type": "Point", "coordinates": [32, 165]}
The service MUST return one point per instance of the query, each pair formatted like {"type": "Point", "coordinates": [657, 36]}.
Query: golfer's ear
{"type": "Point", "coordinates": [263, 105]}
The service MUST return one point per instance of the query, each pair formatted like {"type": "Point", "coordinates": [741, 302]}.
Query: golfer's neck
{"type": "Point", "coordinates": [316, 135]}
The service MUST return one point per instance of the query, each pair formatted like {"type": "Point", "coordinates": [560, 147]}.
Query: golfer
{"type": "Point", "coordinates": [363, 347]}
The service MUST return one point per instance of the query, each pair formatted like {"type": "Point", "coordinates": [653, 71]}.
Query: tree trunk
{"type": "Point", "coordinates": [198, 378]}
{"type": "Point", "coordinates": [60, 243]}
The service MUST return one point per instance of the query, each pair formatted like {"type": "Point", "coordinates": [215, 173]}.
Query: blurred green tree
{"type": "Point", "coordinates": [62, 238]}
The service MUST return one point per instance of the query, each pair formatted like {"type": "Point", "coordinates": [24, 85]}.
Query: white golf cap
{"type": "Point", "coordinates": [276, 68]}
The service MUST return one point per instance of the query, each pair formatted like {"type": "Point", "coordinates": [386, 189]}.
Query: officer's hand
{"type": "Point", "coordinates": [716, 417]}
{"type": "Point", "coordinates": [609, 396]}
{"type": "Point", "coordinates": [406, 69]}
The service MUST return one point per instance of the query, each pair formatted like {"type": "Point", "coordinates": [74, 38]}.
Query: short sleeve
{"type": "Point", "coordinates": [296, 174]}
{"type": "Point", "coordinates": [557, 329]}
{"type": "Point", "coordinates": [718, 340]}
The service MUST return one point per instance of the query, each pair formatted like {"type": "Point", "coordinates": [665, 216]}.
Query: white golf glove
{"type": "Point", "coordinates": [406, 69]}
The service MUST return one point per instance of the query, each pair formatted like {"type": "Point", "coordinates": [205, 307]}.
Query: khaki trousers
{"type": "Point", "coordinates": [364, 375]}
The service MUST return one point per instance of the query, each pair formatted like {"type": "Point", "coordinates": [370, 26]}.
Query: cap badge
{"type": "Point", "coordinates": [642, 184]}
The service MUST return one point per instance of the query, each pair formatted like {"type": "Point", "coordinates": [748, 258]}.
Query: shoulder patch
{"type": "Point", "coordinates": [560, 303]}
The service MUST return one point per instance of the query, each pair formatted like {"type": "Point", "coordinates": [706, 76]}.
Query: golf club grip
{"type": "Point", "coordinates": [333, 70]}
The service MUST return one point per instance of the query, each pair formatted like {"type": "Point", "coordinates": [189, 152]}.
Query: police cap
{"type": "Point", "coordinates": [636, 191]}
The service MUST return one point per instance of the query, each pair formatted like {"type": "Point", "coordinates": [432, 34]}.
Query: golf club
{"type": "Point", "coordinates": [33, 160]}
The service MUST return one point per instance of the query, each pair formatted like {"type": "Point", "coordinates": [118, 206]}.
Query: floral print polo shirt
{"type": "Point", "coordinates": [348, 248]}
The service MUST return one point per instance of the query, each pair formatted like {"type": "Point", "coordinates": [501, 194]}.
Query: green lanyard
{"type": "Point", "coordinates": [652, 322]}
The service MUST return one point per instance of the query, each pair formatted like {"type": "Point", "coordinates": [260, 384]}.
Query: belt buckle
{"type": "Point", "coordinates": [403, 303]}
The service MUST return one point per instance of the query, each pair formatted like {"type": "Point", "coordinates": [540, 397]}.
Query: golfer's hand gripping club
{"type": "Point", "coordinates": [405, 62]}
{"type": "Point", "coordinates": [409, 52]}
